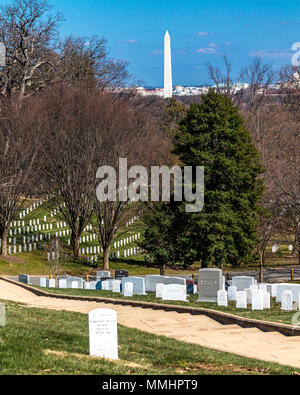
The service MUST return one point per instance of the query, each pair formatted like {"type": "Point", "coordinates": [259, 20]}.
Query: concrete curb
{"type": "Point", "coordinates": [219, 316]}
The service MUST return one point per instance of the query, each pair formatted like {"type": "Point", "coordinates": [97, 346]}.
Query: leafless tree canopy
{"type": "Point", "coordinates": [36, 58]}
{"type": "Point", "coordinates": [18, 150]}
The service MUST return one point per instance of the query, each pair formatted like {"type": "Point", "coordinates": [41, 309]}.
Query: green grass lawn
{"type": "Point", "coordinates": [275, 314]}
{"type": "Point", "coordinates": [46, 342]}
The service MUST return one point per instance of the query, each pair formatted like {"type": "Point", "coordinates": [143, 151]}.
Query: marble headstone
{"type": "Point", "coordinates": [62, 283]}
{"type": "Point", "coordinates": [222, 298]}
{"type": "Point", "coordinates": [159, 290]}
{"type": "Point", "coordinates": [242, 282]}
{"type": "Point", "coordinates": [174, 292]}
{"type": "Point", "coordinates": [2, 315]}
{"type": "Point", "coordinates": [43, 282]}
{"type": "Point", "coordinates": [257, 300]}
{"type": "Point", "coordinates": [241, 300]}
{"type": "Point", "coordinates": [267, 300]}
{"type": "Point", "coordinates": [138, 284]}
{"type": "Point", "coordinates": [128, 290]}
{"type": "Point", "coordinates": [232, 293]}
{"type": "Point", "coordinates": [287, 301]}
{"type": "Point", "coordinates": [103, 333]}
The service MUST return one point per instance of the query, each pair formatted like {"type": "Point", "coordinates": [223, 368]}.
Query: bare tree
{"type": "Point", "coordinates": [18, 149]}
{"type": "Point", "coordinates": [133, 134]}
{"type": "Point", "coordinates": [69, 124]}
{"type": "Point", "coordinates": [29, 33]}
{"type": "Point", "coordinates": [86, 58]}
{"type": "Point", "coordinates": [35, 58]}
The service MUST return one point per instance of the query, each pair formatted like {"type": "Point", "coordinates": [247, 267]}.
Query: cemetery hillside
{"type": "Point", "coordinates": [143, 233]}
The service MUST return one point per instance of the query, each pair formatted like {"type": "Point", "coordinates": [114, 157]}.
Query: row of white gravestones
{"type": "Point", "coordinates": [275, 248]}
{"type": "Point", "coordinates": [90, 250]}
{"type": "Point", "coordinates": [132, 251]}
{"type": "Point", "coordinates": [85, 239]}
{"type": "Point", "coordinates": [132, 221]}
{"type": "Point", "coordinates": [30, 209]}
{"type": "Point", "coordinates": [13, 250]}
{"type": "Point", "coordinates": [30, 229]}
{"type": "Point", "coordinates": [61, 225]}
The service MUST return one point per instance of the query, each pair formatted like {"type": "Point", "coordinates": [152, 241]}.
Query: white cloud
{"type": "Point", "coordinates": [157, 52]}
{"type": "Point", "coordinates": [213, 45]}
{"type": "Point", "coordinates": [201, 34]}
{"type": "Point", "coordinates": [263, 53]}
{"type": "Point", "coordinates": [206, 50]}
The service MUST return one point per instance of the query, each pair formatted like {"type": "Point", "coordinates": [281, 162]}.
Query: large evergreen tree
{"type": "Point", "coordinates": [213, 135]}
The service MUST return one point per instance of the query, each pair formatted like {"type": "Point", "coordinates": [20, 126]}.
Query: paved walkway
{"type": "Point", "coordinates": [202, 330]}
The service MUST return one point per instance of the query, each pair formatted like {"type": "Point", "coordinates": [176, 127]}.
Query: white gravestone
{"type": "Point", "coordinates": [232, 293]}
{"type": "Point", "coordinates": [294, 288]}
{"type": "Point", "coordinates": [159, 290]}
{"type": "Point", "coordinates": [222, 298]}
{"type": "Point", "coordinates": [249, 295]}
{"type": "Point", "coordinates": [128, 290]}
{"type": "Point", "coordinates": [287, 301]}
{"type": "Point", "coordinates": [103, 333]}
{"type": "Point", "coordinates": [274, 290]}
{"type": "Point", "coordinates": [138, 284]}
{"type": "Point", "coordinates": [51, 283]}
{"type": "Point", "coordinates": [257, 300]}
{"type": "Point", "coordinates": [2, 315]}
{"type": "Point", "coordinates": [116, 286]}
{"type": "Point", "coordinates": [174, 292]}
{"type": "Point", "coordinates": [241, 300]}
{"type": "Point", "coordinates": [62, 283]}
{"type": "Point", "coordinates": [242, 282]}
{"type": "Point", "coordinates": [43, 282]}
{"type": "Point", "coordinates": [262, 287]}
{"type": "Point", "coordinates": [105, 286]}
{"type": "Point", "coordinates": [267, 300]}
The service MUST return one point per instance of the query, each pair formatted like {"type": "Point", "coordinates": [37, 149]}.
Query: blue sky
{"type": "Point", "coordinates": [201, 31]}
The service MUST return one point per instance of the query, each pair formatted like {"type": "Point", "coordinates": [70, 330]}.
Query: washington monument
{"type": "Point", "coordinates": [168, 67]}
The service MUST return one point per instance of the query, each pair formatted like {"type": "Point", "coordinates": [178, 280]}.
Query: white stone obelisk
{"type": "Point", "coordinates": [168, 89]}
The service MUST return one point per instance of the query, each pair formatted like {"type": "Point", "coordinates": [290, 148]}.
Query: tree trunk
{"type": "Point", "coordinates": [106, 258]}
{"type": "Point", "coordinates": [261, 266]}
{"type": "Point", "coordinates": [204, 263]}
{"type": "Point", "coordinates": [75, 245]}
{"type": "Point", "coordinates": [4, 242]}
{"type": "Point", "coordinates": [163, 270]}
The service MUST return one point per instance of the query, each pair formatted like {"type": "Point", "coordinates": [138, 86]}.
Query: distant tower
{"type": "Point", "coordinates": [168, 68]}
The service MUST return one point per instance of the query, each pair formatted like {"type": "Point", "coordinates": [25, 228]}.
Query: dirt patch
{"type": "Point", "coordinates": [219, 368]}
{"type": "Point", "coordinates": [65, 354]}
{"type": "Point", "coordinates": [12, 259]}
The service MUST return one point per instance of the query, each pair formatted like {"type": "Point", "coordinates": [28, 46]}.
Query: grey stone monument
{"type": "Point", "coordinates": [210, 282]}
